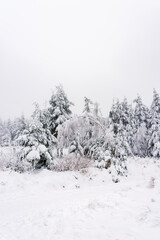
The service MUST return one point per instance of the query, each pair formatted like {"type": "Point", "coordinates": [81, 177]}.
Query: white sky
{"type": "Point", "coordinates": [101, 49]}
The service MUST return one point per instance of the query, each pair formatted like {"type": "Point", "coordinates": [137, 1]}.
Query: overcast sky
{"type": "Point", "coordinates": [101, 49]}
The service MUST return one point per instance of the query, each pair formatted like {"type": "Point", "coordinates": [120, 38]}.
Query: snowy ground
{"type": "Point", "coordinates": [71, 205]}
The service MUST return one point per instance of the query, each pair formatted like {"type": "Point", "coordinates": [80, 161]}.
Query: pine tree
{"type": "Point", "coordinates": [37, 143]}
{"type": "Point", "coordinates": [59, 109]}
{"type": "Point", "coordinates": [5, 137]}
{"type": "Point", "coordinates": [10, 130]}
{"type": "Point", "coordinates": [141, 112]}
{"type": "Point", "coordinates": [140, 128]}
{"type": "Point", "coordinates": [140, 139]}
{"type": "Point", "coordinates": [155, 107]}
{"type": "Point", "coordinates": [114, 116]}
{"type": "Point", "coordinates": [154, 131]}
{"type": "Point", "coordinates": [120, 116]}
{"type": "Point", "coordinates": [87, 106]}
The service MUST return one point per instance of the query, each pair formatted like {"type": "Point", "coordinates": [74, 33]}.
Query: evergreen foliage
{"type": "Point", "coordinates": [154, 130]}
{"type": "Point", "coordinates": [37, 141]}
{"type": "Point", "coordinates": [59, 109]}
{"type": "Point", "coordinates": [87, 105]}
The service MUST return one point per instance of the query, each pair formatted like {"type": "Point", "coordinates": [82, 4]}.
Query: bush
{"type": "Point", "coordinates": [8, 158]}
{"type": "Point", "coordinates": [71, 162]}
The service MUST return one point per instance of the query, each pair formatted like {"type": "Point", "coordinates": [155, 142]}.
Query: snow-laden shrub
{"type": "Point", "coordinates": [37, 156]}
{"type": "Point", "coordinates": [102, 159]}
{"type": "Point", "coordinates": [21, 166]}
{"type": "Point", "coordinates": [10, 160]}
{"type": "Point", "coordinates": [114, 162]}
{"type": "Point", "coordinates": [71, 162]}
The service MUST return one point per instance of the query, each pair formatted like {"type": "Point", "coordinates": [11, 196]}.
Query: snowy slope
{"type": "Point", "coordinates": [72, 205]}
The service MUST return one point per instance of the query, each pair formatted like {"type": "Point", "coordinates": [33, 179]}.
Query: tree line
{"type": "Point", "coordinates": [129, 130]}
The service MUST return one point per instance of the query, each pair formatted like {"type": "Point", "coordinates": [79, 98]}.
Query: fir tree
{"type": "Point", "coordinates": [87, 105]}
{"type": "Point", "coordinates": [154, 131]}
{"type": "Point", "coordinates": [120, 116]}
{"type": "Point", "coordinates": [141, 112]}
{"type": "Point", "coordinates": [140, 128]}
{"type": "Point", "coordinates": [37, 143]}
{"type": "Point", "coordinates": [59, 109]}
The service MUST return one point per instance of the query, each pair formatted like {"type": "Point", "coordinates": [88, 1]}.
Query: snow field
{"type": "Point", "coordinates": [73, 205]}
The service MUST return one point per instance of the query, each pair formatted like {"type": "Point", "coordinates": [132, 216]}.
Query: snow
{"type": "Point", "coordinates": [81, 205]}
{"type": "Point", "coordinates": [34, 154]}
{"type": "Point", "coordinates": [42, 148]}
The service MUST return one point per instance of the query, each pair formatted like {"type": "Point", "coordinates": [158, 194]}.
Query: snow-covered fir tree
{"type": "Point", "coordinates": [87, 105]}
{"type": "Point", "coordinates": [37, 143]}
{"type": "Point", "coordinates": [154, 130]}
{"type": "Point", "coordinates": [59, 109]}
{"type": "Point", "coordinates": [141, 112]}
{"type": "Point", "coordinates": [140, 140]}
{"type": "Point", "coordinates": [43, 115]}
{"type": "Point", "coordinates": [155, 106]}
{"type": "Point", "coordinates": [18, 125]}
{"type": "Point", "coordinates": [120, 116]}
{"type": "Point", "coordinates": [140, 128]}
{"type": "Point", "coordinates": [10, 130]}
{"type": "Point", "coordinates": [5, 138]}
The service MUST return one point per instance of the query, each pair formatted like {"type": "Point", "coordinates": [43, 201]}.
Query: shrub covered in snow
{"type": "Point", "coordinates": [10, 160]}
{"type": "Point", "coordinates": [71, 162]}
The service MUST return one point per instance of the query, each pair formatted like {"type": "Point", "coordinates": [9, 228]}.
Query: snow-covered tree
{"type": "Point", "coordinates": [79, 133]}
{"type": "Point", "coordinates": [43, 116]}
{"type": "Point", "coordinates": [141, 112]}
{"type": "Point", "coordinates": [37, 143]}
{"type": "Point", "coordinates": [10, 130]}
{"type": "Point", "coordinates": [59, 109]}
{"type": "Point", "coordinates": [140, 139]}
{"type": "Point", "coordinates": [4, 134]}
{"type": "Point", "coordinates": [154, 123]}
{"type": "Point", "coordinates": [140, 126]}
{"type": "Point", "coordinates": [120, 116]}
{"type": "Point", "coordinates": [155, 107]}
{"type": "Point", "coordinates": [87, 105]}
{"type": "Point", "coordinates": [88, 137]}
